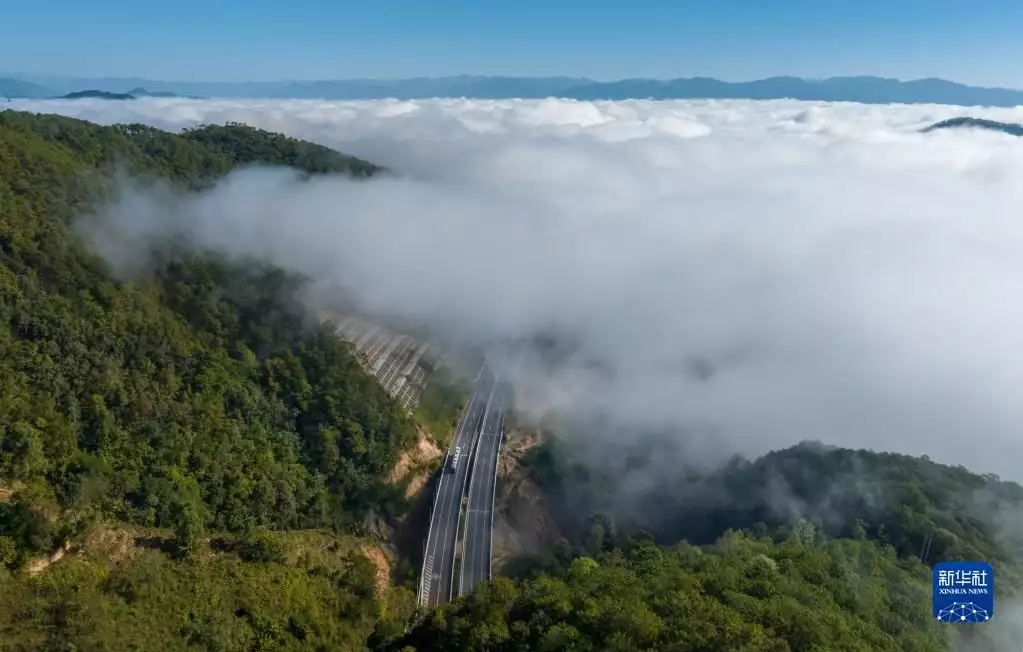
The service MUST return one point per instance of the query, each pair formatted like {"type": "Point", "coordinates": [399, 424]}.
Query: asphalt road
{"type": "Point", "coordinates": [436, 583]}
{"type": "Point", "coordinates": [477, 538]}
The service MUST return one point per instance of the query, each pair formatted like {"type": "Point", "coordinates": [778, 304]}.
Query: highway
{"type": "Point", "coordinates": [437, 578]}
{"type": "Point", "coordinates": [459, 550]}
{"type": "Point", "coordinates": [477, 537]}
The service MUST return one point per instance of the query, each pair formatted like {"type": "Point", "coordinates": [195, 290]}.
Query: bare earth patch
{"type": "Point", "coordinates": [36, 566]}
{"type": "Point", "coordinates": [7, 492]}
{"type": "Point", "coordinates": [112, 543]}
{"type": "Point", "coordinates": [524, 524]}
{"type": "Point", "coordinates": [412, 465]}
{"type": "Point", "coordinates": [515, 446]}
{"type": "Point", "coordinates": [378, 557]}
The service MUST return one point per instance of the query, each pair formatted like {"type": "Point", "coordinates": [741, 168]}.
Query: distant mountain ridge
{"type": "Point", "coordinates": [1010, 128]}
{"type": "Point", "coordinates": [135, 93]}
{"type": "Point", "coordinates": [93, 94]}
{"type": "Point", "coordinates": [138, 91]}
{"type": "Point", "coordinates": [864, 89]}
{"type": "Point", "coordinates": [868, 90]}
{"type": "Point", "coordinates": [10, 87]}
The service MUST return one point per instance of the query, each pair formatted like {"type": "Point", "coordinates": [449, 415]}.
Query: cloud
{"type": "Point", "coordinates": [746, 274]}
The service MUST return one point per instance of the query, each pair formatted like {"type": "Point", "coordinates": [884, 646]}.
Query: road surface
{"type": "Point", "coordinates": [477, 550]}
{"type": "Point", "coordinates": [436, 581]}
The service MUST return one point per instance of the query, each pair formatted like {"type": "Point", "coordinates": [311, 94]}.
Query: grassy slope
{"type": "Point", "coordinates": [314, 590]}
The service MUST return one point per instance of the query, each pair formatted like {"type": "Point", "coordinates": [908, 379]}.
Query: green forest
{"type": "Point", "coordinates": [808, 548]}
{"type": "Point", "coordinates": [741, 594]}
{"type": "Point", "coordinates": [207, 459]}
{"type": "Point", "coordinates": [196, 401]}
{"type": "Point", "coordinates": [920, 508]}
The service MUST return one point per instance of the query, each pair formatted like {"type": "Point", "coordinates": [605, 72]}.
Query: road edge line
{"type": "Point", "coordinates": [467, 487]}
{"type": "Point", "coordinates": [493, 492]}
{"type": "Point", "coordinates": [436, 495]}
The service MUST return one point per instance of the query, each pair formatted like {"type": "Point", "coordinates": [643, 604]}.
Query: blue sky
{"type": "Point", "coordinates": [974, 42]}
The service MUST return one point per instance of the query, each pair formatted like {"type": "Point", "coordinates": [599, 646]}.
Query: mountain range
{"type": "Point", "coordinates": [133, 94]}
{"type": "Point", "coordinates": [871, 90]}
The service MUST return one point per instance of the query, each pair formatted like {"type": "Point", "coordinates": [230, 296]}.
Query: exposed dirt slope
{"type": "Point", "coordinates": [413, 467]}
{"type": "Point", "coordinates": [523, 524]}
{"type": "Point", "coordinates": [377, 555]}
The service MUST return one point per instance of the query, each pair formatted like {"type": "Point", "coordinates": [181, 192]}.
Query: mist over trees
{"type": "Point", "coordinates": [919, 507]}
{"type": "Point", "coordinates": [212, 455]}
{"type": "Point", "coordinates": [197, 399]}
{"type": "Point", "coordinates": [808, 548]}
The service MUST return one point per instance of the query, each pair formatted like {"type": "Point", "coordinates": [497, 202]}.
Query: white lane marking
{"type": "Point", "coordinates": [459, 432]}
{"type": "Point", "coordinates": [427, 574]}
{"type": "Point", "coordinates": [477, 494]}
{"type": "Point", "coordinates": [470, 476]}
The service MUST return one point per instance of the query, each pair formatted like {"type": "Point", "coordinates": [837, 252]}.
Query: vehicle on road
{"type": "Point", "coordinates": [452, 464]}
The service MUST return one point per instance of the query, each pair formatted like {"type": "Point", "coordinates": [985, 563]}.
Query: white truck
{"type": "Point", "coordinates": [452, 462]}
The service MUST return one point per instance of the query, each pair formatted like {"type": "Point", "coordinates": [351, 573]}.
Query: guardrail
{"type": "Point", "coordinates": [497, 461]}
{"type": "Point", "coordinates": [493, 504]}
{"type": "Point", "coordinates": [465, 485]}
{"type": "Point", "coordinates": [423, 584]}
{"type": "Point", "coordinates": [498, 387]}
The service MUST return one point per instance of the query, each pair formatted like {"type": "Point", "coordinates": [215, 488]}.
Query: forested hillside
{"type": "Point", "coordinates": [196, 400]}
{"type": "Point", "coordinates": [921, 508]}
{"type": "Point", "coordinates": [205, 458]}
{"type": "Point", "coordinates": [743, 594]}
{"type": "Point", "coordinates": [881, 519]}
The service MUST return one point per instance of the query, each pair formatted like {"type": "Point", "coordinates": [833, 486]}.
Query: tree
{"type": "Point", "coordinates": [188, 400]}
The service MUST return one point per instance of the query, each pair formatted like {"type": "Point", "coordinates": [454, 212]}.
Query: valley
{"type": "Point", "coordinates": [194, 457]}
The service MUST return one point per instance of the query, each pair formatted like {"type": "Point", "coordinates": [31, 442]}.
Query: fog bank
{"type": "Point", "coordinates": [747, 274]}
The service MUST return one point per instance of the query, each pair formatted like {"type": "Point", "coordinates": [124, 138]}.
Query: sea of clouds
{"type": "Point", "coordinates": [747, 274]}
